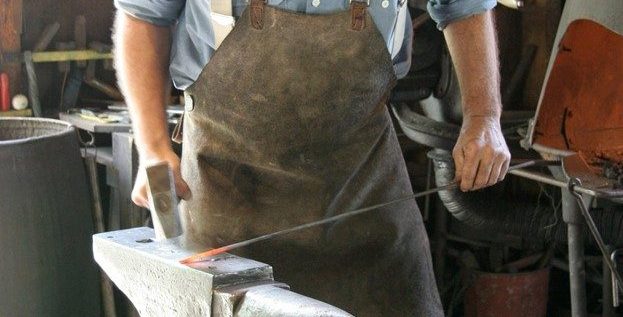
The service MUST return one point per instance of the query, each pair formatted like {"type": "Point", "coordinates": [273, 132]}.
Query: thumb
{"type": "Point", "coordinates": [182, 189]}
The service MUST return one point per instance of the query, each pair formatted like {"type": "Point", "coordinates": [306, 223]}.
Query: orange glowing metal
{"type": "Point", "coordinates": [204, 256]}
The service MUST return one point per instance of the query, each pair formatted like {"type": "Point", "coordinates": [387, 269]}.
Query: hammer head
{"type": "Point", "coordinates": [163, 201]}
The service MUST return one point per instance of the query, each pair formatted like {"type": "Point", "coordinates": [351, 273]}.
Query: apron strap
{"type": "Point", "coordinates": [358, 9]}
{"type": "Point", "coordinates": [257, 13]}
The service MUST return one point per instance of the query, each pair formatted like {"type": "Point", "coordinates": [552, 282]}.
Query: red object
{"type": "Point", "coordinates": [583, 98]}
{"type": "Point", "coordinates": [5, 95]}
{"type": "Point", "coordinates": [509, 295]}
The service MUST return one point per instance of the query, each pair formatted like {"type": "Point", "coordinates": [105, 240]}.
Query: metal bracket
{"type": "Point", "coordinates": [573, 182]}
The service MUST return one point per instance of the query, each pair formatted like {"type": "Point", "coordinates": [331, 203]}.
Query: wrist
{"type": "Point", "coordinates": [479, 109]}
{"type": "Point", "coordinates": [154, 150]}
{"type": "Point", "coordinates": [478, 119]}
{"type": "Point", "coordinates": [482, 106]}
{"type": "Point", "coordinates": [482, 116]}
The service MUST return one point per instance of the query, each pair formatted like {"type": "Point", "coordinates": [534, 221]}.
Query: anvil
{"type": "Point", "coordinates": [149, 273]}
{"type": "Point", "coordinates": [145, 264]}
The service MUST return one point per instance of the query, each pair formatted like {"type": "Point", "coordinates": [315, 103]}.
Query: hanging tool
{"type": "Point", "coordinates": [46, 37]}
{"type": "Point", "coordinates": [206, 255]}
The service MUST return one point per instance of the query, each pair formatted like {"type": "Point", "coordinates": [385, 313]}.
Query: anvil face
{"type": "Point", "coordinates": [150, 274]}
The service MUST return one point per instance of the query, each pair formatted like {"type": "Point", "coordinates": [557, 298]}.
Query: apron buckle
{"type": "Point", "coordinates": [178, 135]}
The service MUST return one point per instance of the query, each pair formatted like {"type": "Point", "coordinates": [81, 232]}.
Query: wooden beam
{"type": "Point", "coordinates": [10, 39]}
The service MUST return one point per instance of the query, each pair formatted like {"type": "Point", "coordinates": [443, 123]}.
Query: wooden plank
{"type": "Point", "coordinates": [94, 126]}
{"type": "Point", "coordinates": [10, 39]}
{"type": "Point", "coordinates": [17, 113]}
{"type": "Point", "coordinates": [69, 55]}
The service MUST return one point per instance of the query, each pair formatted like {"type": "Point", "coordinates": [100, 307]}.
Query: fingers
{"type": "Point", "coordinates": [470, 166]}
{"type": "Point", "coordinates": [182, 189]}
{"type": "Point", "coordinates": [139, 192]}
{"type": "Point", "coordinates": [505, 166]}
{"type": "Point", "coordinates": [485, 167]}
{"type": "Point", "coordinates": [459, 160]}
{"type": "Point", "coordinates": [480, 166]}
{"type": "Point", "coordinates": [481, 155]}
{"type": "Point", "coordinates": [496, 170]}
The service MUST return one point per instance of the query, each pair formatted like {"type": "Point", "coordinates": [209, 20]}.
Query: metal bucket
{"type": "Point", "coordinates": [507, 294]}
{"type": "Point", "coordinates": [46, 268]}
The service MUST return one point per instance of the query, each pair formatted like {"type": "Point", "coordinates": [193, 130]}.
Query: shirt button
{"type": "Point", "coordinates": [316, 3]}
{"type": "Point", "coordinates": [385, 3]}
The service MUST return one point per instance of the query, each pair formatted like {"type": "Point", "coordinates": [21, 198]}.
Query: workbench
{"type": "Point", "coordinates": [120, 159]}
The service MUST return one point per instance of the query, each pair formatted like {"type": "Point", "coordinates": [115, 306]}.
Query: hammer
{"type": "Point", "coordinates": [163, 201]}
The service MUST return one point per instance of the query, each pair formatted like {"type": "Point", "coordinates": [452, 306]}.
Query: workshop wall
{"type": "Point", "coordinates": [99, 18]}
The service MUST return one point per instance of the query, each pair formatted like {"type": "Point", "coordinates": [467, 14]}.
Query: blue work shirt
{"type": "Point", "coordinates": [193, 35]}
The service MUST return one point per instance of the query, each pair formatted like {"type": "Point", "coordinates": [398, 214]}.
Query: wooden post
{"type": "Point", "coordinates": [10, 39]}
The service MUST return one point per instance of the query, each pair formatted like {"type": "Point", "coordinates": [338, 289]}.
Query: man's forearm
{"type": "Point", "coordinates": [473, 47]}
{"type": "Point", "coordinates": [141, 60]}
{"type": "Point", "coordinates": [481, 155]}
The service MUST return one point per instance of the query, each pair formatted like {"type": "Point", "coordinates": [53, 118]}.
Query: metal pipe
{"type": "Point", "coordinates": [564, 266]}
{"type": "Point", "coordinates": [575, 243]}
{"type": "Point", "coordinates": [577, 271]}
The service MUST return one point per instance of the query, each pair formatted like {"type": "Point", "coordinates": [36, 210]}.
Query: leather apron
{"type": "Point", "coordinates": [288, 124]}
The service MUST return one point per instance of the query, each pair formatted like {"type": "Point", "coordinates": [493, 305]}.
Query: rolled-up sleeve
{"type": "Point", "coordinates": [445, 12]}
{"type": "Point", "coordinates": [158, 12]}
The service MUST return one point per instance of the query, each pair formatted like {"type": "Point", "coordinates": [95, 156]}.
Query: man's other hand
{"type": "Point", "coordinates": [480, 155]}
{"type": "Point", "coordinates": [139, 193]}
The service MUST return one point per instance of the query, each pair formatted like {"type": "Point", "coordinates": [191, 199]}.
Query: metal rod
{"type": "Point", "coordinates": [205, 255]}
{"type": "Point", "coordinates": [108, 297]}
{"type": "Point", "coordinates": [429, 184]}
{"type": "Point", "coordinates": [606, 290]}
{"type": "Point", "coordinates": [547, 179]}
{"type": "Point", "coordinates": [564, 266]}
{"type": "Point", "coordinates": [614, 283]}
